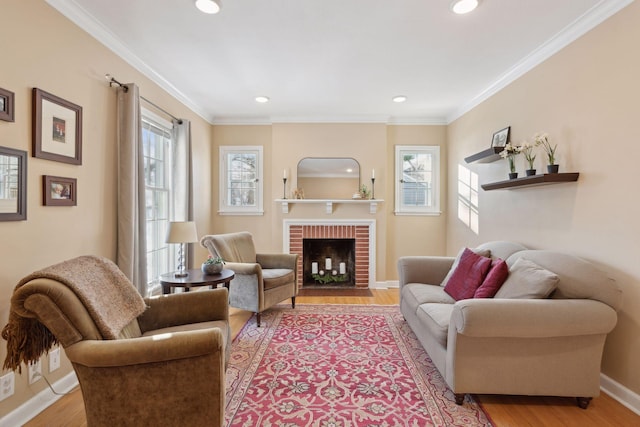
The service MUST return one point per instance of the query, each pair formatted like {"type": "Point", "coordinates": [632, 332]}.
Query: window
{"type": "Point", "coordinates": [241, 180]}
{"type": "Point", "coordinates": [156, 141]}
{"type": "Point", "coordinates": [417, 180]}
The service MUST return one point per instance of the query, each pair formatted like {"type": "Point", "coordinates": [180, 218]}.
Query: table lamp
{"type": "Point", "coordinates": [181, 233]}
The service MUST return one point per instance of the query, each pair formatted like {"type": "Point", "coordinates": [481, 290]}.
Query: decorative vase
{"type": "Point", "coordinates": [530, 172]}
{"type": "Point", "coordinates": [513, 175]}
{"type": "Point", "coordinates": [552, 168]}
{"type": "Point", "coordinates": [211, 268]}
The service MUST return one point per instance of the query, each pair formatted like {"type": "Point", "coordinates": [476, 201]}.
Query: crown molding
{"type": "Point", "coordinates": [398, 121]}
{"type": "Point", "coordinates": [92, 26]}
{"type": "Point", "coordinates": [589, 20]}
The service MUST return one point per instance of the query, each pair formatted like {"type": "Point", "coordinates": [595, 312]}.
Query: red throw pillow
{"type": "Point", "coordinates": [495, 278]}
{"type": "Point", "coordinates": [468, 275]}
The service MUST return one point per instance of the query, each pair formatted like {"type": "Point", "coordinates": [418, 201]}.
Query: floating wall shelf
{"type": "Point", "coordinates": [373, 203]}
{"type": "Point", "coordinates": [530, 181]}
{"type": "Point", "coordinates": [486, 156]}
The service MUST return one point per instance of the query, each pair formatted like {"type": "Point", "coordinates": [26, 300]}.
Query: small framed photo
{"type": "Point", "coordinates": [7, 99]}
{"type": "Point", "coordinates": [57, 128]}
{"type": "Point", "coordinates": [501, 137]}
{"type": "Point", "coordinates": [59, 191]}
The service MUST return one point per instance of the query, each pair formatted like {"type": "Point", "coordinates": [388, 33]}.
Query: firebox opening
{"type": "Point", "coordinates": [329, 262]}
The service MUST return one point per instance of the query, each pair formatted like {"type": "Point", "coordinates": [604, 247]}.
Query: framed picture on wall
{"type": "Point", "coordinates": [501, 137]}
{"type": "Point", "coordinates": [7, 99]}
{"type": "Point", "coordinates": [59, 191]}
{"type": "Point", "coordinates": [57, 128]}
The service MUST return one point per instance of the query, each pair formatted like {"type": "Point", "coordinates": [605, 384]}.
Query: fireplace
{"type": "Point", "coordinates": [361, 233]}
{"type": "Point", "coordinates": [328, 262]}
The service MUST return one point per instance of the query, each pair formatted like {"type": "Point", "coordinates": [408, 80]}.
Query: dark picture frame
{"type": "Point", "coordinates": [59, 191]}
{"type": "Point", "coordinates": [501, 138]}
{"type": "Point", "coordinates": [57, 128]}
{"type": "Point", "coordinates": [7, 210]}
{"type": "Point", "coordinates": [7, 105]}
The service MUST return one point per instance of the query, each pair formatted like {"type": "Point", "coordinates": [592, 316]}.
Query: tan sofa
{"type": "Point", "coordinates": [549, 347]}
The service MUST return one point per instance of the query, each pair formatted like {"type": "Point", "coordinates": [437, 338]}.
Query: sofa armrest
{"type": "Point", "coordinates": [277, 260]}
{"type": "Point", "coordinates": [184, 308]}
{"type": "Point", "coordinates": [430, 270]}
{"type": "Point", "coordinates": [143, 350]}
{"type": "Point", "coordinates": [534, 318]}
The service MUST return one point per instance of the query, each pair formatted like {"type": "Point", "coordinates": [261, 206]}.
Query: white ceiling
{"type": "Point", "coordinates": [334, 60]}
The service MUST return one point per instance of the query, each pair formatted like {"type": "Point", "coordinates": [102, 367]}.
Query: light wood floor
{"type": "Point", "coordinates": [520, 411]}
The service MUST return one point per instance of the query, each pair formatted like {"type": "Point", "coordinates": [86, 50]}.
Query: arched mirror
{"type": "Point", "coordinates": [13, 184]}
{"type": "Point", "coordinates": [328, 177]}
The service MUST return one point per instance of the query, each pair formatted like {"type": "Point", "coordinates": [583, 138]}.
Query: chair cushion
{"type": "Point", "coordinates": [468, 275]}
{"type": "Point", "coordinates": [276, 277]}
{"type": "Point", "coordinates": [527, 280]}
{"type": "Point", "coordinates": [495, 279]}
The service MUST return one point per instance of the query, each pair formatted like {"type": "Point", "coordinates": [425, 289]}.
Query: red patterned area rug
{"type": "Point", "coordinates": [338, 366]}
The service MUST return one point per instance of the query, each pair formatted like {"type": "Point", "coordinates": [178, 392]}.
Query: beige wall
{"type": "Point", "coordinates": [40, 48]}
{"type": "Point", "coordinates": [586, 98]}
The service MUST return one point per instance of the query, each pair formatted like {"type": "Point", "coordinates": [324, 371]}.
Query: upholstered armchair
{"type": "Point", "coordinates": [261, 280]}
{"type": "Point", "coordinates": [166, 366]}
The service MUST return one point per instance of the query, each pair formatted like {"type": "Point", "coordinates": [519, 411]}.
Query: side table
{"type": "Point", "coordinates": [195, 278]}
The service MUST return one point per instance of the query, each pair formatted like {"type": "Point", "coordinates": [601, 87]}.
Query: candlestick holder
{"type": "Point", "coordinates": [284, 188]}
{"type": "Point", "coordinates": [373, 191]}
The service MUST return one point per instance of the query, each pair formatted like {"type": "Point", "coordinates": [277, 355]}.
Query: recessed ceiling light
{"type": "Point", "coordinates": [463, 6]}
{"type": "Point", "coordinates": [399, 98]}
{"type": "Point", "coordinates": [262, 99]}
{"type": "Point", "coordinates": [208, 6]}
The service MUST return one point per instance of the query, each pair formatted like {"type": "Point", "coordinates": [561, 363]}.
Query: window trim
{"type": "Point", "coordinates": [223, 207]}
{"type": "Point", "coordinates": [433, 150]}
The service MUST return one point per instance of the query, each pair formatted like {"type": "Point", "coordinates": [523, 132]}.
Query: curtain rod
{"type": "Point", "coordinates": [113, 81]}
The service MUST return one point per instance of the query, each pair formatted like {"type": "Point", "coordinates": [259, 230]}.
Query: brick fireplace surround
{"type": "Point", "coordinates": [363, 231]}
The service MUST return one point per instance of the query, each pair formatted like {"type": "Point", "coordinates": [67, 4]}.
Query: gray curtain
{"type": "Point", "coordinates": [131, 243]}
{"type": "Point", "coordinates": [181, 177]}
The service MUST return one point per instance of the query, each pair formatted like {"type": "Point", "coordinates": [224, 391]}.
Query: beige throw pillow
{"type": "Point", "coordinates": [482, 252]}
{"type": "Point", "coordinates": [527, 280]}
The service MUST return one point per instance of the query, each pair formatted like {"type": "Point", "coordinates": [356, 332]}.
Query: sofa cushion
{"type": "Point", "coordinates": [468, 275]}
{"type": "Point", "coordinates": [481, 252]}
{"type": "Point", "coordinates": [527, 280]}
{"type": "Point", "coordinates": [276, 277]}
{"type": "Point", "coordinates": [494, 280]}
{"type": "Point", "coordinates": [415, 294]}
{"type": "Point", "coordinates": [435, 317]}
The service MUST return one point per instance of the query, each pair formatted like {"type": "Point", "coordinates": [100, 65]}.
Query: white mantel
{"type": "Point", "coordinates": [373, 203]}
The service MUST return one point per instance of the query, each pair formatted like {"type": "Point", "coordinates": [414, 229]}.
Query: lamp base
{"type": "Point", "coordinates": [178, 274]}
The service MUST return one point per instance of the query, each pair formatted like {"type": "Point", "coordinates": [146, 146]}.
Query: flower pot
{"type": "Point", "coordinates": [513, 175]}
{"type": "Point", "coordinates": [552, 168]}
{"type": "Point", "coordinates": [211, 268]}
{"type": "Point", "coordinates": [530, 172]}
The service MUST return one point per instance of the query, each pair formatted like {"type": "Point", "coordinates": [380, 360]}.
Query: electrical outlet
{"type": "Point", "coordinates": [35, 371]}
{"type": "Point", "coordinates": [54, 359]}
{"type": "Point", "coordinates": [7, 385]}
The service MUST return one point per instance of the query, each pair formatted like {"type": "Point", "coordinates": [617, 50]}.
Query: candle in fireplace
{"type": "Point", "coordinates": [327, 264]}
{"type": "Point", "coordinates": [343, 268]}
{"type": "Point", "coordinates": [314, 268]}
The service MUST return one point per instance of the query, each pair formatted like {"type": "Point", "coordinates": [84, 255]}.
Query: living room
{"type": "Point", "coordinates": [584, 96]}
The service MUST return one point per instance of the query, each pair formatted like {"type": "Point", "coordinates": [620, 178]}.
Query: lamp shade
{"type": "Point", "coordinates": [182, 232]}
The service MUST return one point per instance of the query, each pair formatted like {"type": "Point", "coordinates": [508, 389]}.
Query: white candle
{"type": "Point", "coordinates": [343, 268]}
{"type": "Point", "coordinates": [284, 173]}
{"type": "Point", "coordinates": [327, 264]}
{"type": "Point", "coordinates": [373, 173]}
{"type": "Point", "coordinates": [314, 268]}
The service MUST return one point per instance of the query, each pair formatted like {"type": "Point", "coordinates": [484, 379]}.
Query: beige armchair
{"type": "Point", "coordinates": [165, 367]}
{"type": "Point", "coordinates": [261, 280]}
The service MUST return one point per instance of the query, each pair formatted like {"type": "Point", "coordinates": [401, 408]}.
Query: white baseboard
{"type": "Point", "coordinates": [620, 393]}
{"type": "Point", "coordinates": [39, 402]}
{"type": "Point", "coordinates": [386, 285]}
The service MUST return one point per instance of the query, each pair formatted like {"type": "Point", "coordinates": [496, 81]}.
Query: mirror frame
{"type": "Point", "coordinates": [357, 176]}
{"type": "Point", "coordinates": [21, 213]}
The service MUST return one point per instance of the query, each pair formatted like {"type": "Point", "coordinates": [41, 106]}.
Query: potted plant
{"type": "Point", "coordinates": [527, 150]}
{"type": "Point", "coordinates": [213, 265]}
{"type": "Point", "coordinates": [543, 139]}
{"type": "Point", "coordinates": [510, 152]}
